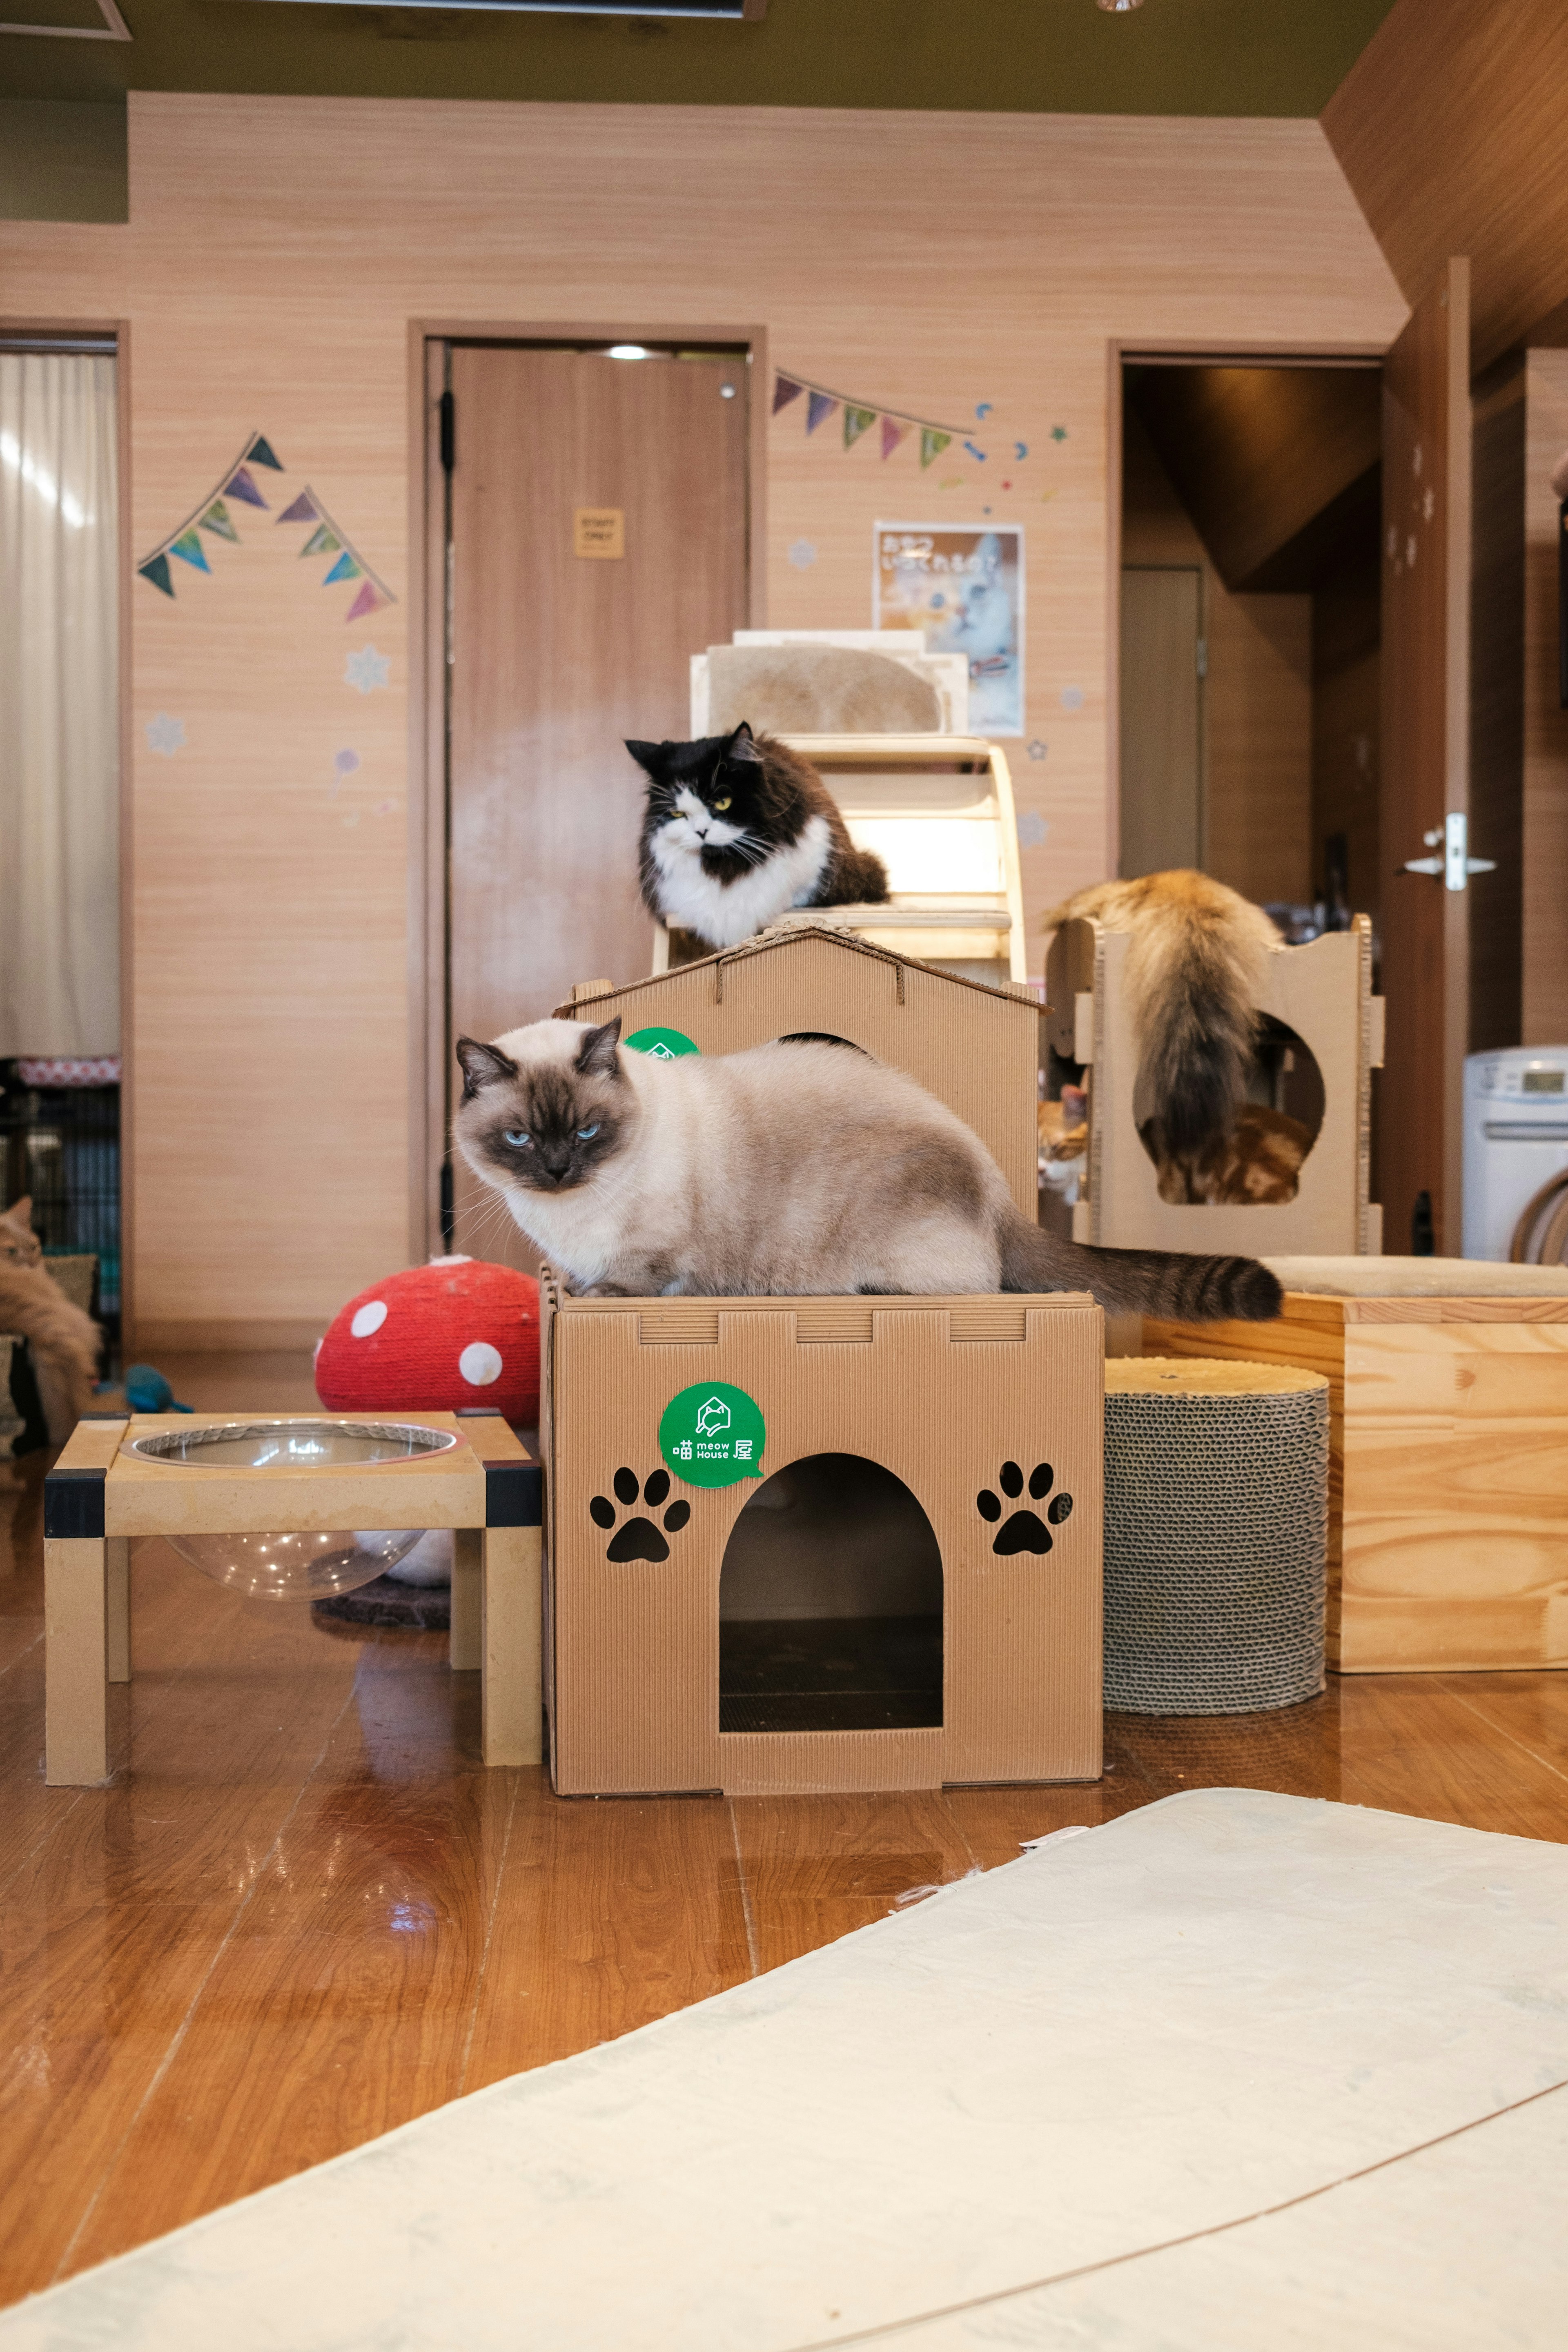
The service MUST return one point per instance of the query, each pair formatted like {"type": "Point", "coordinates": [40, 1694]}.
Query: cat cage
{"type": "Point", "coordinates": [60, 1145]}
{"type": "Point", "coordinates": [932, 801]}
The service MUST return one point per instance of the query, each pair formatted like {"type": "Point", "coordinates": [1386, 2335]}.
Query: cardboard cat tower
{"type": "Point", "coordinates": [975, 1047]}
{"type": "Point", "coordinates": [1322, 993]}
{"type": "Point", "coordinates": [699, 1636]}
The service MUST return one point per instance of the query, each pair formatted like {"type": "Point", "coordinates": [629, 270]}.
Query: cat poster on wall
{"type": "Point", "coordinates": [963, 585]}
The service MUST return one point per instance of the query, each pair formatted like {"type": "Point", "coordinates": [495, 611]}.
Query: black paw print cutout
{"type": "Point", "coordinates": [638, 1539]}
{"type": "Point", "coordinates": [1024, 1531]}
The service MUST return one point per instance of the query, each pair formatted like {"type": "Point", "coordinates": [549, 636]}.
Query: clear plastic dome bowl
{"type": "Point", "coordinates": [292, 1566]}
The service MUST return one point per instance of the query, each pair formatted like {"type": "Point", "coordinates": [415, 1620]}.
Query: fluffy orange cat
{"type": "Point", "coordinates": [63, 1341]}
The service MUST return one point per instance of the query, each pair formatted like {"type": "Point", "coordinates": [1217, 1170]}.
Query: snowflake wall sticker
{"type": "Point", "coordinates": [367, 670]}
{"type": "Point", "coordinates": [165, 734]}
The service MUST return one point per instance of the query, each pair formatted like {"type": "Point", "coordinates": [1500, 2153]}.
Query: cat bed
{"type": "Point", "coordinates": [1233, 2070]}
{"type": "Point", "coordinates": [454, 1335]}
{"type": "Point", "coordinates": [1418, 1278]}
{"type": "Point", "coordinates": [1216, 1500]}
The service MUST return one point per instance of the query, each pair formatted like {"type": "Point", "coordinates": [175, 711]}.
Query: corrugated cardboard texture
{"type": "Point", "coordinates": [976, 1049]}
{"type": "Point", "coordinates": [939, 1391]}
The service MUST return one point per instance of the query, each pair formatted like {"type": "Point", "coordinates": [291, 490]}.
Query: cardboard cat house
{"type": "Point", "coordinates": [821, 1544]}
{"type": "Point", "coordinates": [1324, 1033]}
{"type": "Point", "coordinates": [937, 811]}
{"type": "Point", "coordinates": [976, 1049]}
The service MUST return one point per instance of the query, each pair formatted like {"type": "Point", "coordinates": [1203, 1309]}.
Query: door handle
{"type": "Point", "coordinates": [1456, 865]}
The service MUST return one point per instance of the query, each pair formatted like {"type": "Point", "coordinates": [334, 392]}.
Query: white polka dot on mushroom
{"type": "Point", "coordinates": [479, 1364]}
{"type": "Point", "coordinates": [368, 1318]}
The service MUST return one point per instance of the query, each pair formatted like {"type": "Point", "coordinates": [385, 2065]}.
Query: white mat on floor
{"type": "Point", "coordinates": [983, 2123]}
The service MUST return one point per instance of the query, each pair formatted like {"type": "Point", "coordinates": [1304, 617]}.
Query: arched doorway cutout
{"type": "Point", "coordinates": [831, 1605]}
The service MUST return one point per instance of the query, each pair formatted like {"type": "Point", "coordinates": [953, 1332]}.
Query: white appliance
{"type": "Point", "coordinates": [1516, 1138]}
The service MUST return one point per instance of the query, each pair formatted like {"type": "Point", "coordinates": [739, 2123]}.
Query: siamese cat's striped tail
{"type": "Point", "coordinates": [1167, 1283]}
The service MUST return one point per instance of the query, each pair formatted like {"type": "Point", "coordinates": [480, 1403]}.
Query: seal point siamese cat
{"type": "Point", "coordinates": [792, 1169]}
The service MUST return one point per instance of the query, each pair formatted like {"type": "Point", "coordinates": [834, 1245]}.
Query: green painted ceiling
{"type": "Point", "coordinates": [1172, 57]}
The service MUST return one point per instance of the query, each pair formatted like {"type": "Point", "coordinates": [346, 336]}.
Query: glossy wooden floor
{"type": "Point", "coordinates": [306, 1913]}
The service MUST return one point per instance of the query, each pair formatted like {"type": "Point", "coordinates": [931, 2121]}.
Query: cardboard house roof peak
{"type": "Point", "coordinates": [973, 1046]}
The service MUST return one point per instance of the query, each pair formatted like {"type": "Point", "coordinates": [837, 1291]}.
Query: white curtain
{"type": "Point", "coordinates": [60, 695]}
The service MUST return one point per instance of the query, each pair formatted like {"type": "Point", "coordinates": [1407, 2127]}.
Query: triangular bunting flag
{"type": "Point", "coordinates": [786, 389]}
{"type": "Point", "coordinates": [304, 510]}
{"type": "Point", "coordinates": [345, 568]}
{"type": "Point", "coordinates": [933, 443]}
{"type": "Point", "coordinates": [819, 406]}
{"type": "Point", "coordinates": [856, 422]}
{"type": "Point", "coordinates": [321, 541]}
{"type": "Point", "coordinates": [370, 600]}
{"type": "Point", "coordinates": [242, 486]}
{"type": "Point", "coordinates": [157, 571]}
{"type": "Point", "coordinates": [260, 454]}
{"type": "Point", "coordinates": [188, 547]}
{"type": "Point", "coordinates": [892, 433]}
{"type": "Point", "coordinates": [216, 517]}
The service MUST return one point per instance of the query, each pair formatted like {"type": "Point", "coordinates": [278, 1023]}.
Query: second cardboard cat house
{"type": "Point", "coordinates": [822, 1544]}
{"type": "Point", "coordinates": [976, 1049]}
{"type": "Point", "coordinates": [1320, 995]}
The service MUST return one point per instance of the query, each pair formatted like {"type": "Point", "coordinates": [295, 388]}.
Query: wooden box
{"type": "Point", "coordinates": [1448, 1469]}
{"type": "Point", "coordinates": [976, 1049]}
{"type": "Point", "coordinates": [964, 1484]}
{"type": "Point", "coordinates": [1323, 994]}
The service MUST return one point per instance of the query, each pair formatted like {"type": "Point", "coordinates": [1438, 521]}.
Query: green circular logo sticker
{"type": "Point", "coordinates": [661, 1045]}
{"type": "Point", "coordinates": [714, 1434]}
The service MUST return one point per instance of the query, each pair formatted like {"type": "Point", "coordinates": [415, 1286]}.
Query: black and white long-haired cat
{"type": "Point", "coordinates": [739, 829]}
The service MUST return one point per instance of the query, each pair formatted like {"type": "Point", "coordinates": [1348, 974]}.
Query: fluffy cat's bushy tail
{"type": "Point", "coordinates": [1167, 1283]}
{"type": "Point", "coordinates": [1195, 971]}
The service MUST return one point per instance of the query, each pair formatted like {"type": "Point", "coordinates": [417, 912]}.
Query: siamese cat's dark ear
{"type": "Point", "coordinates": [596, 1055]}
{"type": "Point", "coordinates": [483, 1065]}
{"type": "Point", "coordinates": [648, 756]}
{"type": "Point", "coordinates": [742, 746]}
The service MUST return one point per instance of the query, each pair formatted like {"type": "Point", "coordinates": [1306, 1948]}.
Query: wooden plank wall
{"type": "Point", "coordinates": [1544, 991]}
{"type": "Point", "coordinates": [278, 251]}
{"type": "Point", "coordinates": [1256, 698]}
{"type": "Point", "coordinates": [1448, 127]}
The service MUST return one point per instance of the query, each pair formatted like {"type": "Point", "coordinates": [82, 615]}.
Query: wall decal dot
{"type": "Point", "coordinates": [367, 670]}
{"type": "Point", "coordinates": [1072, 698]}
{"type": "Point", "coordinates": [803, 554]}
{"type": "Point", "coordinates": [166, 735]}
{"type": "Point", "coordinates": [479, 1364]}
{"type": "Point", "coordinates": [368, 1319]}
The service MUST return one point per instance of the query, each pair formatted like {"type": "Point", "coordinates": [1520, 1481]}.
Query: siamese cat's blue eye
{"type": "Point", "coordinates": [586, 1134]}
{"type": "Point", "coordinates": [515, 1137]}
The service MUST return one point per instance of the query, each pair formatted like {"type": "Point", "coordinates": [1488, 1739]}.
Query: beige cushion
{"type": "Point", "coordinates": [817, 690]}
{"type": "Point", "coordinates": [1419, 1277]}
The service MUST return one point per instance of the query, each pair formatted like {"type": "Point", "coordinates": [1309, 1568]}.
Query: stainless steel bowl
{"type": "Point", "coordinates": [294, 1566]}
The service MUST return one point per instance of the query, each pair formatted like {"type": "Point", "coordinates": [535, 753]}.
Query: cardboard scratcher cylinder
{"type": "Point", "coordinates": [686, 1579]}
{"type": "Point", "coordinates": [1216, 1535]}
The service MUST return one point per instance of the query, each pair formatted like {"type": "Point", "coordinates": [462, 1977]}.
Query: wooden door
{"type": "Point", "coordinates": [1423, 799]}
{"type": "Point", "coordinates": [559, 650]}
{"type": "Point", "coordinates": [1162, 752]}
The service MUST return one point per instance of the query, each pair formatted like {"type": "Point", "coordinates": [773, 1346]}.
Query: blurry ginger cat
{"type": "Point", "coordinates": [62, 1341]}
{"type": "Point", "coordinates": [1195, 973]}
{"type": "Point", "coordinates": [1258, 1162]}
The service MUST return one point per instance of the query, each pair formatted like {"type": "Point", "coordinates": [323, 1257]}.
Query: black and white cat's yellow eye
{"type": "Point", "coordinates": [586, 1134]}
{"type": "Point", "coordinates": [517, 1137]}
{"type": "Point", "coordinates": [723, 804]}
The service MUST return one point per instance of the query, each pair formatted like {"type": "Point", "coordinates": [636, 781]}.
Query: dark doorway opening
{"type": "Point", "coordinates": [831, 1605]}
